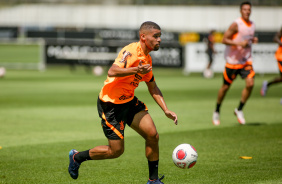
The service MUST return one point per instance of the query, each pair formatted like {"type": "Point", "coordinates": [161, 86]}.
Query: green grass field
{"type": "Point", "coordinates": [19, 53]}
{"type": "Point", "coordinates": [43, 115]}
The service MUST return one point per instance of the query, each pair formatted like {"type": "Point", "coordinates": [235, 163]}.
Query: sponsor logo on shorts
{"type": "Point", "coordinates": [249, 67]}
{"type": "Point", "coordinates": [233, 76]}
{"type": "Point", "coordinates": [121, 125]}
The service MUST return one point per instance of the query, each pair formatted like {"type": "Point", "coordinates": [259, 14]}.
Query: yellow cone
{"type": "Point", "coordinates": [246, 157]}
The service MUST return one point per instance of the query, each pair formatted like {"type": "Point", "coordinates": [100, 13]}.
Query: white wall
{"type": "Point", "coordinates": [171, 18]}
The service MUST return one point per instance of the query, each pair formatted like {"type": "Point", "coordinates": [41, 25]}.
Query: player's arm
{"type": "Point", "coordinates": [277, 37]}
{"type": "Point", "coordinates": [158, 97]}
{"type": "Point", "coordinates": [116, 71]}
{"type": "Point", "coordinates": [228, 36]}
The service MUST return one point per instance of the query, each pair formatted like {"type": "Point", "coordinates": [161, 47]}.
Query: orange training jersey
{"type": "Point", "coordinates": [119, 90]}
{"type": "Point", "coordinates": [278, 53]}
{"type": "Point", "coordinates": [237, 54]}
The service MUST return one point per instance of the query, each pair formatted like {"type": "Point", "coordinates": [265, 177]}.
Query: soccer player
{"type": "Point", "coordinates": [118, 107]}
{"type": "Point", "coordinates": [278, 55]}
{"type": "Point", "coordinates": [208, 73]}
{"type": "Point", "coordinates": [238, 55]}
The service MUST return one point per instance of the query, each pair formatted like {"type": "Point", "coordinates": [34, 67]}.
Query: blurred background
{"type": "Point", "coordinates": [35, 34]}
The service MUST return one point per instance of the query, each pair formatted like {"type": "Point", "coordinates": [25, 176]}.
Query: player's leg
{"type": "Point", "coordinates": [113, 150]}
{"type": "Point", "coordinates": [221, 94]}
{"type": "Point", "coordinates": [112, 116]}
{"type": "Point", "coordinates": [144, 125]}
{"type": "Point", "coordinates": [248, 74]}
{"type": "Point", "coordinates": [275, 80]}
{"type": "Point", "coordinates": [210, 56]}
{"type": "Point", "coordinates": [228, 77]}
{"type": "Point", "coordinates": [266, 85]}
{"type": "Point", "coordinates": [208, 73]}
{"type": "Point", "coordinates": [247, 91]}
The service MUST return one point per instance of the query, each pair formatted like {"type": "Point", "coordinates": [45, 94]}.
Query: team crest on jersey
{"type": "Point", "coordinates": [125, 56]}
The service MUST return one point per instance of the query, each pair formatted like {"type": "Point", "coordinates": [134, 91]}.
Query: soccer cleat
{"type": "Point", "coordinates": [215, 118]}
{"type": "Point", "coordinates": [158, 181]}
{"type": "Point", "coordinates": [263, 88]}
{"type": "Point", "coordinates": [73, 166]}
{"type": "Point", "coordinates": [240, 116]}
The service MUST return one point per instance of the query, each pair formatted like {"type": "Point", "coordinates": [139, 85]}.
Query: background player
{"type": "Point", "coordinates": [208, 73]}
{"type": "Point", "coordinates": [238, 55]}
{"type": "Point", "coordinates": [117, 105]}
{"type": "Point", "coordinates": [278, 55]}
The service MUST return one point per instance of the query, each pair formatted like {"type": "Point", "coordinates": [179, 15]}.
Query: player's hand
{"type": "Point", "coordinates": [143, 69]}
{"type": "Point", "coordinates": [244, 43]}
{"type": "Point", "coordinates": [171, 115]}
{"type": "Point", "coordinates": [255, 40]}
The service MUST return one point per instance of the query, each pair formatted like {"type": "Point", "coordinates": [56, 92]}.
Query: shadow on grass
{"type": "Point", "coordinates": [255, 124]}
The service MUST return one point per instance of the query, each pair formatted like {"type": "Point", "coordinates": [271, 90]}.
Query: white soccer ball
{"type": "Point", "coordinates": [2, 71]}
{"type": "Point", "coordinates": [98, 70]}
{"type": "Point", "coordinates": [184, 156]}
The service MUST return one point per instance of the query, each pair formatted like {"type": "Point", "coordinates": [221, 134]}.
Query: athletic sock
{"type": "Point", "coordinates": [217, 107]}
{"type": "Point", "coordinates": [82, 156]}
{"type": "Point", "coordinates": [241, 105]}
{"type": "Point", "coordinates": [153, 169]}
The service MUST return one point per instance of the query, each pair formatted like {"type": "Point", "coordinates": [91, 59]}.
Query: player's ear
{"type": "Point", "coordinates": [142, 37]}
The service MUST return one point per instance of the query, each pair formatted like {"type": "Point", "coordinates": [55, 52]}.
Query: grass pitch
{"type": "Point", "coordinates": [43, 115]}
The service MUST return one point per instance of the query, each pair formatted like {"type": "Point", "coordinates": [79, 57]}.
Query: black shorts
{"type": "Point", "coordinates": [116, 116]}
{"type": "Point", "coordinates": [230, 74]}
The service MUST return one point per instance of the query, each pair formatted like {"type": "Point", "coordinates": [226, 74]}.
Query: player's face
{"type": "Point", "coordinates": [246, 11]}
{"type": "Point", "coordinates": [153, 39]}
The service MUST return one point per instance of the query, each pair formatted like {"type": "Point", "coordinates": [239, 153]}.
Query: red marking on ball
{"type": "Point", "coordinates": [181, 154]}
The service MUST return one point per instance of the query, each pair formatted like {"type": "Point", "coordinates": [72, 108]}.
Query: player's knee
{"type": "Point", "coordinates": [225, 87]}
{"type": "Point", "coordinates": [153, 137]}
{"type": "Point", "coordinates": [250, 85]}
{"type": "Point", "coordinates": [116, 153]}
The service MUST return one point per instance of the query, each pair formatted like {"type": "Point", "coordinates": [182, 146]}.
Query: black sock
{"type": "Point", "coordinates": [241, 105]}
{"type": "Point", "coordinates": [82, 156]}
{"type": "Point", "coordinates": [153, 169]}
{"type": "Point", "coordinates": [217, 107]}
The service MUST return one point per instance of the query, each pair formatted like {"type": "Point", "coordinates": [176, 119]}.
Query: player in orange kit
{"type": "Point", "coordinates": [238, 55]}
{"type": "Point", "coordinates": [278, 56]}
{"type": "Point", "coordinates": [118, 107]}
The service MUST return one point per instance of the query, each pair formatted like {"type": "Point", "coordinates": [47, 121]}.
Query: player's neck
{"type": "Point", "coordinates": [144, 48]}
{"type": "Point", "coordinates": [247, 20]}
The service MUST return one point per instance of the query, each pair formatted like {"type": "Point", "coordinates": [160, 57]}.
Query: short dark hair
{"type": "Point", "coordinates": [149, 25]}
{"type": "Point", "coordinates": [244, 3]}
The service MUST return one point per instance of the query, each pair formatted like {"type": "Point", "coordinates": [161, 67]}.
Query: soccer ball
{"type": "Point", "coordinates": [2, 72]}
{"type": "Point", "coordinates": [184, 156]}
{"type": "Point", "coordinates": [98, 70]}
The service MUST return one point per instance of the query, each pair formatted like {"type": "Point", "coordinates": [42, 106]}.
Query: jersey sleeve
{"type": "Point", "coordinates": [126, 58]}
{"type": "Point", "coordinates": [149, 77]}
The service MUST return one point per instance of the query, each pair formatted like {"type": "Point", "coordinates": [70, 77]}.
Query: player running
{"type": "Point", "coordinates": [118, 107]}
{"type": "Point", "coordinates": [238, 55]}
{"type": "Point", "coordinates": [278, 56]}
